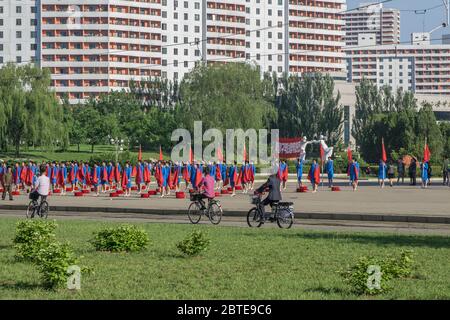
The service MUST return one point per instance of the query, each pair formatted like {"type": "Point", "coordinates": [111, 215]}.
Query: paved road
{"type": "Point", "coordinates": [305, 224]}
{"type": "Point", "coordinates": [368, 200]}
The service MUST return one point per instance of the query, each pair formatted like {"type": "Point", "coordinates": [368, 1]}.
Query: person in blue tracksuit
{"type": "Point", "coordinates": [424, 174]}
{"type": "Point", "coordinates": [330, 172]}
{"type": "Point", "coordinates": [382, 173]}
{"type": "Point", "coordinates": [299, 169]}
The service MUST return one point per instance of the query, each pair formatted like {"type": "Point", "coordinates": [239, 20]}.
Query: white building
{"type": "Point", "coordinates": [182, 23]}
{"type": "Point", "coordinates": [383, 24]}
{"type": "Point", "coordinates": [95, 46]}
{"type": "Point", "coordinates": [423, 69]}
{"type": "Point", "coordinates": [18, 31]}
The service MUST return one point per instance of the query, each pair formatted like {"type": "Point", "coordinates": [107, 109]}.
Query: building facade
{"type": "Point", "coordinates": [422, 69]}
{"type": "Point", "coordinates": [93, 47]}
{"type": "Point", "coordinates": [372, 24]}
{"type": "Point", "coordinates": [96, 46]}
{"type": "Point", "coordinates": [18, 31]}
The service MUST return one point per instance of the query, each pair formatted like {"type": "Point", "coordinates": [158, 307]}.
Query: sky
{"type": "Point", "coordinates": [411, 22]}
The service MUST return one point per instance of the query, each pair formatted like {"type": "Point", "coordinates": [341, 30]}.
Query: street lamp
{"type": "Point", "coordinates": [119, 146]}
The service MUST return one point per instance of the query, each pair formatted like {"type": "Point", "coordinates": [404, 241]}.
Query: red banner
{"type": "Point", "coordinates": [290, 148]}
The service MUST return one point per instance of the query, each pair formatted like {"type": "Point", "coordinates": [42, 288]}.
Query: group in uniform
{"type": "Point", "coordinates": [103, 177]}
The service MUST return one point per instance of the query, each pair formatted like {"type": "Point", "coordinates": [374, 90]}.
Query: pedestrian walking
{"type": "Point", "coordinates": [401, 171]}
{"type": "Point", "coordinates": [391, 173]}
{"type": "Point", "coordinates": [7, 183]}
{"type": "Point", "coordinates": [413, 172]}
{"type": "Point", "coordinates": [446, 171]}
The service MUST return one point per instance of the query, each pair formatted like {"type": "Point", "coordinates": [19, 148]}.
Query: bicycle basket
{"type": "Point", "coordinates": [34, 195]}
{"type": "Point", "coordinates": [195, 196]}
{"type": "Point", "coordinates": [255, 199]}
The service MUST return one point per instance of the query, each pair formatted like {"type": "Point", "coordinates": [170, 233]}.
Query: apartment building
{"type": "Point", "coordinates": [93, 47]}
{"type": "Point", "coordinates": [18, 31]}
{"type": "Point", "coordinates": [422, 69]}
{"type": "Point", "coordinates": [96, 46]}
{"type": "Point", "coordinates": [372, 22]}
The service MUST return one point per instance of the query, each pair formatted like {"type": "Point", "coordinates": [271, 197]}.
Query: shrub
{"type": "Point", "coordinates": [127, 238]}
{"type": "Point", "coordinates": [391, 268]}
{"type": "Point", "coordinates": [53, 261]}
{"type": "Point", "coordinates": [31, 236]}
{"type": "Point", "coordinates": [194, 243]}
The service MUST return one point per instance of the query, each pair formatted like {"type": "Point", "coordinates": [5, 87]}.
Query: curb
{"type": "Point", "coordinates": [231, 213]}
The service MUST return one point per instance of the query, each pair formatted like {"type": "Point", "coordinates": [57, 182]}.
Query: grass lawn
{"type": "Point", "coordinates": [72, 154]}
{"type": "Point", "coordinates": [241, 263]}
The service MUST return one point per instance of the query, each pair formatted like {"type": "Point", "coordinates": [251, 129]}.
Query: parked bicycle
{"type": "Point", "coordinates": [35, 208]}
{"type": "Point", "coordinates": [198, 208]}
{"type": "Point", "coordinates": [282, 213]}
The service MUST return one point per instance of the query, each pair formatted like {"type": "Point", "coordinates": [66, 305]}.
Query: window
{"type": "Point", "coordinates": [18, 22]}
{"type": "Point", "coordinates": [18, 9]}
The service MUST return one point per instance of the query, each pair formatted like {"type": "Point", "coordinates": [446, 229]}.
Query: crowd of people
{"type": "Point", "coordinates": [103, 177]}
{"type": "Point", "coordinates": [386, 171]}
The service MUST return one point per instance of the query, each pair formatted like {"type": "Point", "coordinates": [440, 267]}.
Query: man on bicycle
{"type": "Point", "coordinates": [42, 185]}
{"type": "Point", "coordinates": [208, 185]}
{"type": "Point", "coordinates": [273, 185]}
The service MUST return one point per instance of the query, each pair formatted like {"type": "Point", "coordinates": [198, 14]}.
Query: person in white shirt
{"type": "Point", "coordinates": [42, 185]}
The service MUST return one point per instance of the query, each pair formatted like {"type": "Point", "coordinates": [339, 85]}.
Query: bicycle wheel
{"type": "Point", "coordinates": [254, 218]}
{"type": "Point", "coordinates": [285, 221]}
{"type": "Point", "coordinates": [44, 210]}
{"type": "Point", "coordinates": [215, 213]}
{"type": "Point", "coordinates": [195, 212]}
{"type": "Point", "coordinates": [31, 209]}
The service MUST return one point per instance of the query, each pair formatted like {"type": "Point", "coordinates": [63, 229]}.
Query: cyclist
{"type": "Point", "coordinates": [208, 185]}
{"type": "Point", "coordinates": [273, 184]}
{"type": "Point", "coordinates": [42, 185]}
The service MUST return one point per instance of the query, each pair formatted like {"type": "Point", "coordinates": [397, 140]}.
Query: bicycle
{"type": "Point", "coordinates": [198, 208]}
{"type": "Point", "coordinates": [34, 207]}
{"type": "Point", "coordinates": [282, 213]}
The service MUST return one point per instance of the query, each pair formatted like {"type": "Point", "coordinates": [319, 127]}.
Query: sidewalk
{"type": "Point", "coordinates": [369, 203]}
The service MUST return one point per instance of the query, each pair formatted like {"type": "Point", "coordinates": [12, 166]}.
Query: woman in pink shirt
{"type": "Point", "coordinates": [208, 185]}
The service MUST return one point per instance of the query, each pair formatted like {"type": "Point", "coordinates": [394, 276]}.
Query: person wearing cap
{"type": "Point", "coordinates": [273, 183]}
{"type": "Point", "coordinates": [7, 182]}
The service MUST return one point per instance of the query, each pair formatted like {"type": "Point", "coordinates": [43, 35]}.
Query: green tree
{"type": "Point", "coordinates": [225, 96]}
{"type": "Point", "coordinates": [308, 106]}
{"type": "Point", "coordinates": [31, 113]}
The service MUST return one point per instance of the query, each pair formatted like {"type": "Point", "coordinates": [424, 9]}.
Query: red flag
{"type": "Point", "coordinates": [218, 173]}
{"type": "Point", "coordinates": [175, 177]}
{"type": "Point", "coordinates": [147, 174]}
{"type": "Point", "coordinates": [426, 153]}
{"type": "Point", "coordinates": [140, 153]}
{"type": "Point", "coordinates": [383, 152]}
{"type": "Point", "coordinates": [124, 179]}
{"type": "Point", "coordinates": [159, 176]}
{"type": "Point", "coordinates": [322, 153]}
{"type": "Point", "coordinates": [349, 155]}
{"type": "Point", "coordinates": [160, 154]}
{"type": "Point", "coordinates": [198, 177]}
{"type": "Point", "coordinates": [219, 155]}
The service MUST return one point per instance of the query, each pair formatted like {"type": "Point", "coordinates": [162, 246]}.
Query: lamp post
{"type": "Point", "coordinates": [119, 146]}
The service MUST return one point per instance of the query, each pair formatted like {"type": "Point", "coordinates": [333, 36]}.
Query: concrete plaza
{"type": "Point", "coordinates": [401, 203]}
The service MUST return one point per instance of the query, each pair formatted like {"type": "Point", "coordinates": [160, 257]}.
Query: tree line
{"type": "Point", "coordinates": [397, 118]}
{"type": "Point", "coordinates": [223, 96]}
